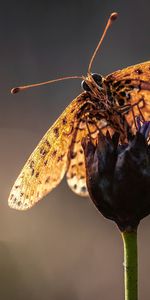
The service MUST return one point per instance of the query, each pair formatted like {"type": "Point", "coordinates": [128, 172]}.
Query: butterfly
{"type": "Point", "coordinates": [110, 103]}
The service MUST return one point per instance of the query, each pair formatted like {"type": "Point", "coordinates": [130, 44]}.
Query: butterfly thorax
{"type": "Point", "coordinates": [95, 85]}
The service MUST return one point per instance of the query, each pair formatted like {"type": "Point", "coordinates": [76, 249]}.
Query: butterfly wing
{"type": "Point", "coordinates": [76, 174]}
{"type": "Point", "coordinates": [47, 164]}
{"type": "Point", "coordinates": [130, 90]}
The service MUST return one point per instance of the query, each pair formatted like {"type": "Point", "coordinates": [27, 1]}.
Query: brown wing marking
{"type": "Point", "coordinates": [130, 90]}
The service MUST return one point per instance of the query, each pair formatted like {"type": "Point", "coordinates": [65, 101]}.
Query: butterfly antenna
{"type": "Point", "coordinates": [26, 87]}
{"type": "Point", "coordinates": [111, 19]}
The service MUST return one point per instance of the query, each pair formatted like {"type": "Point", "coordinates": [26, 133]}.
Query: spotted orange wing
{"type": "Point", "coordinates": [76, 173]}
{"type": "Point", "coordinates": [130, 92]}
{"type": "Point", "coordinates": [47, 164]}
{"type": "Point", "coordinates": [76, 170]}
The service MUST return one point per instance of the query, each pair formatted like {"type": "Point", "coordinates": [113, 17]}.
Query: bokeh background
{"type": "Point", "coordinates": [62, 248]}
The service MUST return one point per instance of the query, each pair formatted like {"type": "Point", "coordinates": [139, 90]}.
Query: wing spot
{"type": "Point", "coordinates": [60, 158]}
{"type": "Point", "coordinates": [83, 189]}
{"type": "Point", "coordinates": [75, 186]}
{"type": "Point", "coordinates": [64, 121]}
{"type": "Point", "coordinates": [45, 162]}
{"type": "Point", "coordinates": [47, 143]}
{"type": "Point", "coordinates": [43, 152]}
{"type": "Point", "coordinates": [73, 166]}
{"type": "Point", "coordinates": [16, 186]}
{"type": "Point", "coordinates": [32, 172]}
{"type": "Point", "coordinates": [127, 81]}
{"type": "Point", "coordinates": [73, 154]}
{"type": "Point", "coordinates": [11, 197]}
{"type": "Point", "coordinates": [56, 132]}
{"type": "Point", "coordinates": [14, 200]}
{"type": "Point", "coordinates": [54, 153]}
{"type": "Point", "coordinates": [31, 164]}
{"type": "Point", "coordinates": [116, 84]}
{"type": "Point", "coordinates": [123, 94]}
{"type": "Point", "coordinates": [47, 179]}
{"type": "Point", "coordinates": [72, 175]}
{"type": "Point", "coordinates": [80, 163]}
{"type": "Point", "coordinates": [139, 71]}
{"type": "Point", "coordinates": [37, 174]}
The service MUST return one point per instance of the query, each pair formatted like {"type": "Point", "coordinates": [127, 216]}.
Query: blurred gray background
{"type": "Point", "coordinates": [62, 248]}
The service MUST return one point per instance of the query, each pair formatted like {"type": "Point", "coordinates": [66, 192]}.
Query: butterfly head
{"type": "Point", "coordinates": [93, 83]}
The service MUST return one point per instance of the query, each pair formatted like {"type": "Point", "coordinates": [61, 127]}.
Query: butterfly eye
{"type": "Point", "coordinates": [97, 78]}
{"type": "Point", "coordinates": [85, 87]}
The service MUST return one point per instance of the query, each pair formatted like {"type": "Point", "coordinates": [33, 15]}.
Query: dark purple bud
{"type": "Point", "coordinates": [118, 177]}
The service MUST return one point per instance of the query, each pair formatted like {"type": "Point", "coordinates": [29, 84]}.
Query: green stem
{"type": "Point", "coordinates": [130, 265]}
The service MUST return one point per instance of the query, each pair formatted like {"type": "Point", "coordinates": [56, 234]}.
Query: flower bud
{"type": "Point", "coordinates": [118, 176]}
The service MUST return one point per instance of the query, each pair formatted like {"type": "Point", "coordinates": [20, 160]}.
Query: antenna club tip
{"type": "Point", "coordinates": [15, 90]}
{"type": "Point", "coordinates": [113, 16]}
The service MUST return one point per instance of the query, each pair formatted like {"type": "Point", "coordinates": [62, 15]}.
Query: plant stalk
{"type": "Point", "coordinates": [130, 265]}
